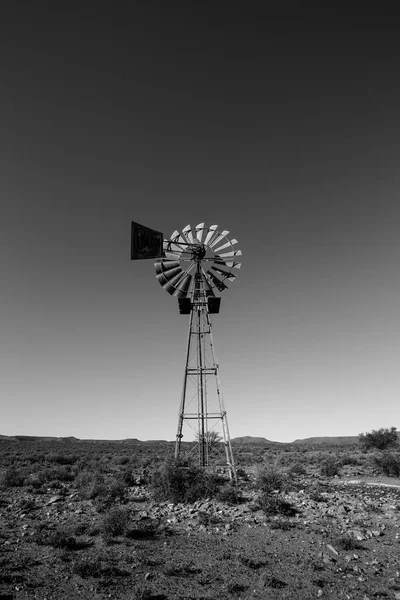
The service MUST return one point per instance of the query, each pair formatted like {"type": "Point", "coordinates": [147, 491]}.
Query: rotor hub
{"type": "Point", "coordinates": [199, 252]}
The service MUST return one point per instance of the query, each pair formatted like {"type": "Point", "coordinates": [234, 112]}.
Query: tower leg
{"type": "Point", "coordinates": [225, 428]}
{"type": "Point", "coordinates": [181, 415]}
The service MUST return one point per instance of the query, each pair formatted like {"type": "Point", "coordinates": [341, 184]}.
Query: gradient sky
{"type": "Point", "coordinates": [283, 128]}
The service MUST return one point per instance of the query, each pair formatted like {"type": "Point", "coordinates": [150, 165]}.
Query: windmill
{"type": "Point", "coordinates": [194, 265]}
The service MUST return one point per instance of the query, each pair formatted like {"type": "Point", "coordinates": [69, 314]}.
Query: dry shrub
{"type": "Point", "coordinates": [115, 521]}
{"type": "Point", "coordinates": [274, 504]}
{"type": "Point", "coordinates": [269, 479]}
{"type": "Point", "coordinates": [297, 469]}
{"type": "Point", "coordinates": [13, 477]}
{"type": "Point", "coordinates": [229, 494]}
{"type": "Point", "coordinates": [178, 482]}
{"type": "Point", "coordinates": [330, 467]}
{"type": "Point", "coordinates": [388, 463]}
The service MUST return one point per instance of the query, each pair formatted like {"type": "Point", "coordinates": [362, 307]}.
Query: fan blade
{"type": "Point", "coordinates": [165, 279]}
{"type": "Point", "coordinates": [226, 245]}
{"type": "Point", "coordinates": [183, 287]}
{"type": "Point", "coordinates": [166, 265]}
{"type": "Point", "coordinates": [172, 255]}
{"type": "Point", "coordinates": [173, 283]}
{"type": "Point", "coordinates": [219, 238]}
{"type": "Point", "coordinates": [175, 240]}
{"type": "Point", "coordinates": [199, 231]}
{"type": "Point", "coordinates": [187, 232]}
{"type": "Point", "coordinates": [217, 282]}
{"type": "Point", "coordinates": [231, 265]}
{"type": "Point", "coordinates": [226, 274]}
{"type": "Point", "coordinates": [231, 254]}
{"type": "Point", "coordinates": [211, 232]}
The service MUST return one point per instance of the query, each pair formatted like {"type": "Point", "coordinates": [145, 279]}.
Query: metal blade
{"type": "Point", "coordinates": [166, 265]}
{"type": "Point", "coordinates": [217, 282]}
{"type": "Point", "coordinates": [231, 254]}
{"type": "Point", "coordinates": [199, 231]}
{"type": "Point", "coordinates": [211, 232]}
{"type": "Point", "coordinates": [230, 243]}
{"type": "Point", "coordinates": [219, 238]}
{"type": "Point", "coordinates": [231, 265]}
{"type": "Point", "coordinates": [183, 287]}
{"type": "Point", "coordinates": [172, 255]}
{"type": "Point", "coordinates": [176, 237]}
{"type": "Point", "coordinates": [226, 274]}
{"type": "Point", "coordinates": [172, 284]}
{"type": "Point", "coordinates": [187, 232]}
{"type": "Point", "coordinates": [166, 278]}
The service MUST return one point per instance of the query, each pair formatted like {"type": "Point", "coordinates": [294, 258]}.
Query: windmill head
{"type": "Point", "coordinates": [195, 259]}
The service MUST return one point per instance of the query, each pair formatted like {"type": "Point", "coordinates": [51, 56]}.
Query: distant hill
{"type": "Point", "coordinates": [242, 441]}
{"type": "Point", "coordinates": [329, 441]}
{"type": "Point", "coordinates": [248, 439]}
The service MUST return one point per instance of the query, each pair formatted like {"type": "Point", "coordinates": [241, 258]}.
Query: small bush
{"type": "Point", "coordinates": [347, 542]}
{"type": "Point", "coordinates": [297, 469]}
{"type": "Point", "coordinates": [104, 491]}
{"type": "Point", "coordinates": [330, 467]}
{"type": "Point", "coordinates": [274, 504]}
{"type": "Point", "coordinates": [229, 494]}
{"type": "Point", "coordinates": [63, 459]}
{"type": "Point", "coordinates": [381, 439]}
{"type": "Point", "coordinates": [87, 567]}
{"type": "Point", "coordinates": [347, 459]}
{"type": "Point", "coordinates": [146, 529]}
{"type": "Point", "coordinates": [64, 537]}
{"type": "Point", "coordinates": [13, 478]}
{"type": "Point", "coordinates": [388, 463]}
{"type": "Point", "coordinates": [241, 474]}
{"type": "Point", "coordinates": [115, 522]}
{"type": "Point", "coordinates": [269, 479]}
{"type": "Point", "coordinates": [252, 562]}
{"type": "Point", "coordinates": [180, 483]}
{"type": "Point", "coordinates": [316, 496]}
{"type": "Point", "coordinates": [282, 524]}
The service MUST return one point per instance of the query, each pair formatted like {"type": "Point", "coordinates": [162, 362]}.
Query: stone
{"type": "Point", "coordinates": [332, 549]}
{"type": "Point", "coordinates": [54, 499]}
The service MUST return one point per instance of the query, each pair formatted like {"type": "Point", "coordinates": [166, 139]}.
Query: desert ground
{"type": "Point", "coordinates": [93, 519]}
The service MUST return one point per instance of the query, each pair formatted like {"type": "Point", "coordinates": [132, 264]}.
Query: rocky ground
{"type": "Point", "coordinates": [332, 539]}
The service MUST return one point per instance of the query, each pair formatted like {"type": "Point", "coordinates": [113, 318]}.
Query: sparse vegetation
{"type": "Point", "coordinates": [88, 512]}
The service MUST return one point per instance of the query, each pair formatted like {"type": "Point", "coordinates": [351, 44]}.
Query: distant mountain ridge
{"type": "Point", "coordinates": [241, 440]}
{"type": "Point", "coordinates": [248, 439]}
{"type": "Point", "coordinates": [344, 440]}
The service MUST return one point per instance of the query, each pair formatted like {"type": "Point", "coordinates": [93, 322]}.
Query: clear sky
{"type": "Point", "coordinates": [283, 129]}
